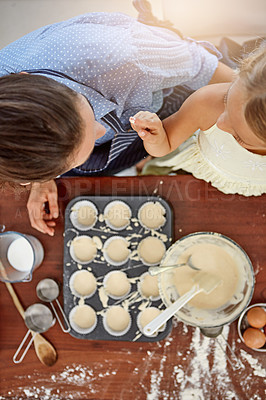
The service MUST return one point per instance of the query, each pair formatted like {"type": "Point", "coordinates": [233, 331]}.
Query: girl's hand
{"type": "Point", "coordinates": [149, 127]}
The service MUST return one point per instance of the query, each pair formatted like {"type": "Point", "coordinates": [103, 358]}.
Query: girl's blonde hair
{"type": "Point", "coordinates": [252, 71]}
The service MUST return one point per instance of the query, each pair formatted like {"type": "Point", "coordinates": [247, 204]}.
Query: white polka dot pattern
{"type": "Point", "coordinates": [126, 64]}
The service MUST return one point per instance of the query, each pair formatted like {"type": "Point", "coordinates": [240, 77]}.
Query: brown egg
{"type": "Point", "coordinates": [254, 338]}
{"type": "Point", "coordinates": [256, 317]}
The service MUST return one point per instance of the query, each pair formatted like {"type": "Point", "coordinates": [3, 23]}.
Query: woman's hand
{"type": "Point", "coordinates": [39, 195]}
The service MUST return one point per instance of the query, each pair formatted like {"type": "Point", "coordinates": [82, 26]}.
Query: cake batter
{"type": "Point", "coordinates": [212, 259]}
{"type": "Point", "coordinates": [84, 248]}
{"type": "Point", "coordinates": [117, 249]}
{"type": "Point", "coordinates": [118, 215]}
{"type": "Point", "coordinates": [86, 216]}
{"type": "Point", "coordinates": [84, 283]}
{"type": "Point", "coordinates": [117, 284]}
{"type": "Point", "coordinates": [84, 317]}
{"type": "Point", "coordinates": [117, 318]}
{"type": "Point", "coordinates": [151, 215]}
{"type": "Point", "coordinates": [151, 250]}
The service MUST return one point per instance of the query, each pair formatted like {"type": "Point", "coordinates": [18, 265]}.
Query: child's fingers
{"type": "Point", "coordinates": [147, 136]}
{"type": "Point", "coordinates": [142, 134]}
{"type": "Point", "coordinates": [132, 123]}
{"type": "Point", "coordinates": [147, 123]}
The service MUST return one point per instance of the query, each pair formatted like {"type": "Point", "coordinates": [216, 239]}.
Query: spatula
{"type": "Point", "coordinates": [203, 282]}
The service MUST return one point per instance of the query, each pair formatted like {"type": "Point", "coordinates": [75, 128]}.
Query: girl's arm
{"type": "Point", "coordinates": [199, 111]}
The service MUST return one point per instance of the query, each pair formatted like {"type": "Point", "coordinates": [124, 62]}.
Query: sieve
{"type": "Point", "coordinates": [48, 290]}
{"type": "Point", "coordinates": [38, 319]}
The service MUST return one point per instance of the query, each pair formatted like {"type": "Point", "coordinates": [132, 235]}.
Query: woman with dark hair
{"type": "Point", "coordinates": [83, 79]}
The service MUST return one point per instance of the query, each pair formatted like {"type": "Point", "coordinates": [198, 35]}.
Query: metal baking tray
{"type": "Point", "coordinates": [133, 268]}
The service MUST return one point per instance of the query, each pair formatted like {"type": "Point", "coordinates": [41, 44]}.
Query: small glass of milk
{"type": "Point", "coordinates": [20, 255]}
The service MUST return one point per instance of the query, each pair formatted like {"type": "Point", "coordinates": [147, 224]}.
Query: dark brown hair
{"type": "Point", "coordinates": [40, 127]}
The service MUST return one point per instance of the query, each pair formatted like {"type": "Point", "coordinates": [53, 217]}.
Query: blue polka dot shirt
{"type": "Point", "coordinates": [125, 65]}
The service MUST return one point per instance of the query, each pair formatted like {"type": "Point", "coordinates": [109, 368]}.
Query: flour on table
{"type": "Point", "coordinates": [191, 378]}
{"type": "Point", "coordinates": [258, 370]}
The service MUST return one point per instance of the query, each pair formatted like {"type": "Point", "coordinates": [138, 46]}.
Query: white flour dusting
{"type": "Point", "coordinates": [196, 374]}
{"type": "Point", "coordinates": [258, 370]}
{"type": "Point", "coordinates": [204, 363]}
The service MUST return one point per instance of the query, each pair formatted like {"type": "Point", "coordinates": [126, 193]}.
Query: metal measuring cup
{"type": "Point", "coordinates": [48, 290]}
{"type": "Point", "coordinates": [38, 319]}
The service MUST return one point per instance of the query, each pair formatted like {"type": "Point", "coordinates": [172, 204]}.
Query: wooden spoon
{"type": "Point", "coordinates": [44, 350]}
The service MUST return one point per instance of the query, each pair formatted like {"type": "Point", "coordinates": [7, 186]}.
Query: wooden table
{"type": "Point", "coordinates": [185, 365]}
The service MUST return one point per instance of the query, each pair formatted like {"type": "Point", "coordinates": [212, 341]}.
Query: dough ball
{"type": "Point", "coordinates": [116, 250]}
{"type": "Point", "coordinates": [152, 215]}
{"type": "Point", "coordinates": [83, 215]}
{"type": "Point", "coordinates": [117, 215]}
{"type": "Point", "coordinates": [146, 316]}
{"type": "Point", "coordinates": [116, 284]}
{"type": "Point", "coordinates": [151, 250]}
{"type": "Point", "coordinates": [117, 320]}
{"type": "Point", "coordinates": [84, 317]}
{"type": "Point", "coordinates": [148, 286]}
{"type": "Point", "coordinates": [84, 249]}
{"type": "Point", "coordinates": [87, 216]}
{"type": "Point", "coordinates": [83, 283]}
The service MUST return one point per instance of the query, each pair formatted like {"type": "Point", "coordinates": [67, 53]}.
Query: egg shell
{"type": "Point", "coordinates": [256, 317]}
{"type": "Point", "coordinates": [254, 338]}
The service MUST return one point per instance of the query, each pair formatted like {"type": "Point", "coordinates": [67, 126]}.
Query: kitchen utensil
{"type": "Point", "coordinates": [162, 268]}
{"type": "Point", "coordinates": [38, 319]}
{"type": "Point", "coordinates": [204, 282]}
{"type": "Point", "coordinates": [209, 320]}
{"type": "Point", "coordinates": [243, 324]}
{"type": "Point", "coordinates": [20, 255]}
{"type": "Point", "coordinates": [44, 350]}
{"type": "Point", "coordinates": [47, 290]}
{"type": "Point", "coordinates": [133, 268]}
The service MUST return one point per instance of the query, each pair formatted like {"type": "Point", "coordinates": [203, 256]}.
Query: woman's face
{"type": "Point", "coordinates": [233, 121]}
{"type": "Point", "coordinates": [92, 131]}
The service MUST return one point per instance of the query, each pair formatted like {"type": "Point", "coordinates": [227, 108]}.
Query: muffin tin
{"type": "Point", "coordinates": [134, 268]}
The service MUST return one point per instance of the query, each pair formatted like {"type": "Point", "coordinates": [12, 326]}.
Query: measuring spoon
{"type": "Point", "coordinates": [47, 290]}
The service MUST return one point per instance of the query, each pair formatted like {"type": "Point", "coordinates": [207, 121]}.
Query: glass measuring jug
{"type": "Point", "coordinates": [20, 255]}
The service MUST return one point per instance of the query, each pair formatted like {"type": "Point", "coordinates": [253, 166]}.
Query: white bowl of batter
{"type": "Point", "coordinates": [219, 255]}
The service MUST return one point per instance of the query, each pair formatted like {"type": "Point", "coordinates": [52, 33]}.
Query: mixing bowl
{"type": "Point", "coordinates": [209, 320]}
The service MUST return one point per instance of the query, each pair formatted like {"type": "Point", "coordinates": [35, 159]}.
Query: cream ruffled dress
{"type": "Point", "coordinates": [216, 157]}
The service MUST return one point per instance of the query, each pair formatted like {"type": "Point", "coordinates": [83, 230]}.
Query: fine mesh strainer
{"type": "Point", "coordinates": [48, 290]}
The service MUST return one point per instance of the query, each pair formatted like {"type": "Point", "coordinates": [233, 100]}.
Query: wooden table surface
{"type": "Point", "coordinates": [185, 365]}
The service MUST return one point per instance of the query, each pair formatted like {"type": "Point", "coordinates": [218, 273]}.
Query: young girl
{"type": "Point", "coordinates": [228, 148]}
